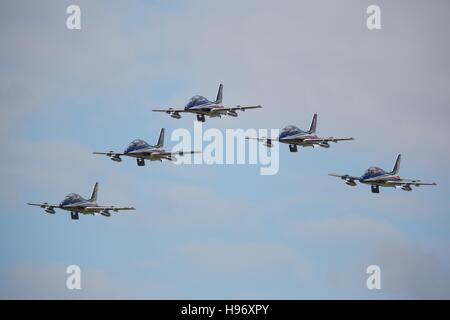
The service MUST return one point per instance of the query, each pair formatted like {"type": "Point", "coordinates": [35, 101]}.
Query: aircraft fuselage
{"type": "Point", "coordinates": [79, 209]}
{"type": "Point", "coordinates": [206, 109]}
{"type": "Point", "coordinates": [148, 154]}
{"type": "Point", "coordinates": [298, 140]}
{"type": "Point", "coordinates": [382, 180]}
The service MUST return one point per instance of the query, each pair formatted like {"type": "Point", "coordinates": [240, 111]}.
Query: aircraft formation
{"type": "Point", "coordinates": [202, 107]}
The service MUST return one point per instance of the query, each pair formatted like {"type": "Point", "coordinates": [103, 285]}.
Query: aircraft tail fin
{"type": "Point", "coordinates": [219, 94]}
{"type": "Point", "coordinates": [312, 128]}
{"type": "Point", "coordinates": [160, 143]}
{"type": "Point", "coordinates": [396, 169]}
{"type": "Point", "coordinates": [94, 193]}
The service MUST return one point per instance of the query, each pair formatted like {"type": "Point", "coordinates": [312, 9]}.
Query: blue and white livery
{"type": "Point", "coordinates": [203, 107]}
{"type": "Point", "coordinates": [377, 177]}
{"type": "Point", "coordinates": [76, 204]}
{"type": "Point", "coordinates": [294, 137]}
{"type": "Point", "coordinates": [142, 151]}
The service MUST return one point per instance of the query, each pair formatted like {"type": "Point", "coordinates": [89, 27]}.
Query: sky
{"type": "Point", "coordinates": [224, 231]}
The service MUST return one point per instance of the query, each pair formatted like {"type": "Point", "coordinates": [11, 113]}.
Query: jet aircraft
{"type": "Point", "coordinates": [76, 204]}
{"type": "Point", "coordinates": [142, 151]}
{"type": "Point", "coordinates": [203, 107]}
{"type": "Point", "coordinates": [377, 177]}
{"type": "Point", "coordinates": [295, 137]}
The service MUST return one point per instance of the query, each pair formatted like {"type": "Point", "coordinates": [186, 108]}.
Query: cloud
{"type": "Point", "coordinates": [410, 272]}
{"type": "Point", "coordinates": [298, 234]}
{"type": "Point", "coordinates": [408, 269]}
{"type": "Point", "coordinates": [191, 205]}
{"type": "Point", "coordinates": [344, 230]}
{"type": "Point", "coordinates": [44, 166]}
{"type": "Point", "coordinates": [246, 267]}
{"type": "Point", "coordinates": [49, 282]}
{"type": "Point", "coordinates": [335, 66]}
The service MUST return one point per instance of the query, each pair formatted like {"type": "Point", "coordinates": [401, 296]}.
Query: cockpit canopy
{"type": "Point", "coordinates": [72, 198]}
{"type": "Point", "coordinates": [137, 145]}
{"type": "Point", "coordinates": [373, 172]}
{"type": "Point", "coordinates": [196, 101]}
{"type": "Point", "coordinates": [289, 131]}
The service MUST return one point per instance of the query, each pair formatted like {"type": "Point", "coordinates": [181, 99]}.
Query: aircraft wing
{"type": "Point", "coordinates": [266, 141]}
{"type": "Point", "coordinates": [345, 177]}
{"type": "Point", "coordinates": [110, 153]}
{"type": "Point", "coordinates": [170, 110]}
{"type": "Point", "coordinates": [176, 153]}
{"type": "Point", "coordinates": [330, 139]}
{"type": "Point", "coordinates": [115, 156]}
{"type": "Point", "coordinates": [407, 182]}
{"type": "Point", "coordinates": [263, 139]}
{"type": "Point", "coordinates": [237, 108]}
{"type": "Point", "coordinates": [44, 205]}
{"type": "Point", "coordinates": [106, 208]}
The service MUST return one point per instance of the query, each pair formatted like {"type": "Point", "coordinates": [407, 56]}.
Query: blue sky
{"type": "Point", "coordinates": [224, 231]}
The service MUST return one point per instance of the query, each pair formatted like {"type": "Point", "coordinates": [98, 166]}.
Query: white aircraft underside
{"type": "Point", "coordinates": [202, 107]}
{"type": "Point", "coordinates": [77, 204]}
{"type": "Point", "coordinates": [295, 137]}
{"type": "Point", "coordinates": [211, 111]}
{"type": "Point", "coordinates": [142, 151]}
{"type": "Point", "coordinates": [376, 177]}
{"type": "Point", "coordinates": [154, 155]}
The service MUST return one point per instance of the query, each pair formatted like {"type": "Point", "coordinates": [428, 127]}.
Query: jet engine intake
{"type": "Point", "coordinates": [175, 115]}
{"type": "Point", "coordinates": [324, 144]}
{"type": "Point", "coordinates": [268, 143]}
{"type": "Point", "coordinates": [105, 213]}
{"type": "Point", "coordinates": [116, 158]}
{"type": "Point", "coordinates": [407, 188]}
{"type": "Point", "coordinates": [50, 210]}
{"type": "Point", "coordinates": [232, 113]}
